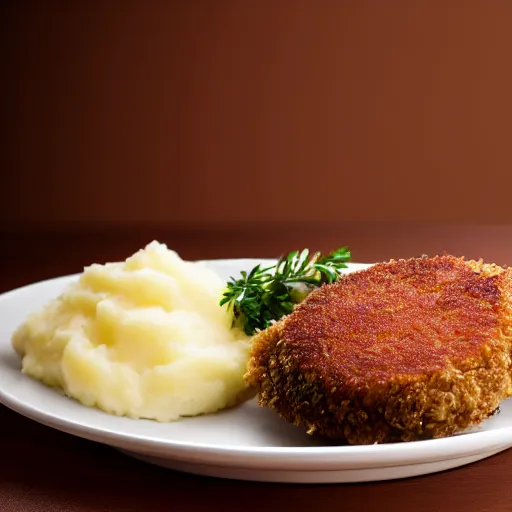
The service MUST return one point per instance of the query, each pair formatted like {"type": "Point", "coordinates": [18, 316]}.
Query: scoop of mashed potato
{"type": "Point", "coordinates": [143, 338]}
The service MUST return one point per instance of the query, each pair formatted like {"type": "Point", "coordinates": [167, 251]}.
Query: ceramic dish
{"type": "Point", "coordinates": [247, 442]}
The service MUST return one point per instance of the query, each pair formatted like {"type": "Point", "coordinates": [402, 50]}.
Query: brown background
{"type": "Point", "coordinates": [235, 112]}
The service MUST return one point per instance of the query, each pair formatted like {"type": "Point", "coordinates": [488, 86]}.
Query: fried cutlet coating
{"type": "Point", "coordinates": [405, 350]}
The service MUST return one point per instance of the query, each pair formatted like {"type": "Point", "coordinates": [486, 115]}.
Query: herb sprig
{"type": "Point", "coordinates": [266, 294]}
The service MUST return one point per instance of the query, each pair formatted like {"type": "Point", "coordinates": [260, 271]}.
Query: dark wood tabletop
{"type": "Point", "coordinates": [44, 470]}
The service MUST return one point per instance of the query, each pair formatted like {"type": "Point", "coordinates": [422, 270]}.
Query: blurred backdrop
{"type": "Point", "coordinates": [231, 113]}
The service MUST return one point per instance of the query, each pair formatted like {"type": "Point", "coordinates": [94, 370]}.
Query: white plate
{"type": "Point", "coordinates": [247, 442]}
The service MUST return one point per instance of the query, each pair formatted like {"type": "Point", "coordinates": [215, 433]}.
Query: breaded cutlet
{"type": "Point", "coordinates": [404, 350]}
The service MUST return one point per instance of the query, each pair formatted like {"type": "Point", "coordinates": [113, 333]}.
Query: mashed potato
{"type": "Point", "coordinates": [144, 338]}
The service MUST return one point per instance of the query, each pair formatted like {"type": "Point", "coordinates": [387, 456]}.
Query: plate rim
{"type": "Point", "coordinates": [278, 457]}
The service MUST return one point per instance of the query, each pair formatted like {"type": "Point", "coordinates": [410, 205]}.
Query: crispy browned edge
{"type": "Point", "coordinates": [402, 409]}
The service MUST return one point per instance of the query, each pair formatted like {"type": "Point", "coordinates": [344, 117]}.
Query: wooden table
{"type": "Point", "coordinates": [45, 470]}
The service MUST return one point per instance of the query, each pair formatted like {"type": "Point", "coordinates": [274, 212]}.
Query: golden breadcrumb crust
{"type": "Point", "coordinates": [405, 350]}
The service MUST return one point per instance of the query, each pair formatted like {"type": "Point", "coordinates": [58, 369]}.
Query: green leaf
{"type": "Point", "coordinates": [267, 294]}
{"type": "Point", "coordinates": [302, 261]}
